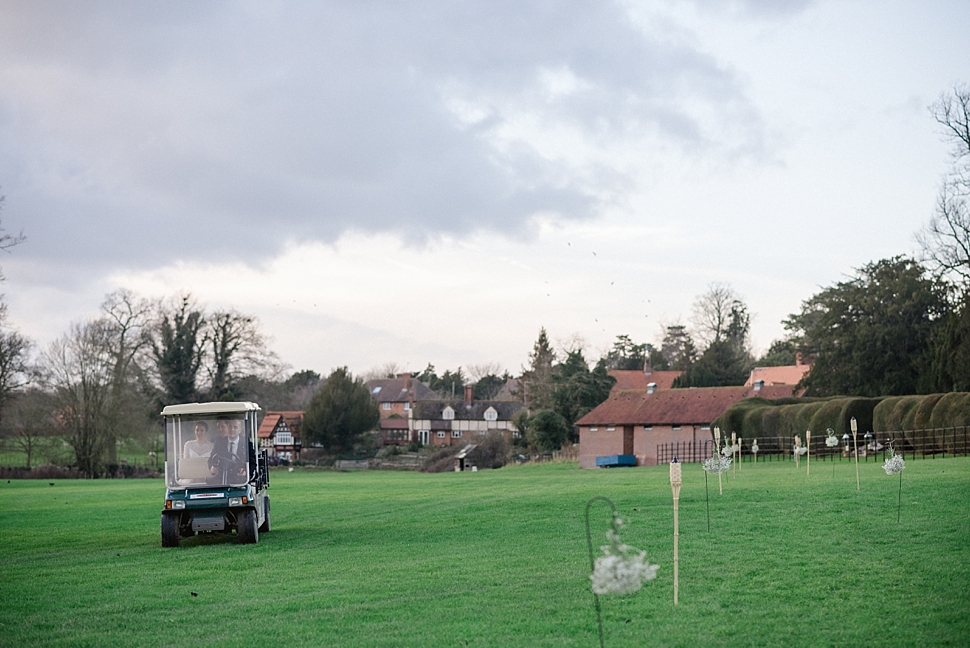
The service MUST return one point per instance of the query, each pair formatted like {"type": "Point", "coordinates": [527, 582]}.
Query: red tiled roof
{"type": "Point", "coordinates": [786, 375]}
{"type": "Point", "coordinates": [698, 406]}
{"type": "Point", "coordinates": [637, 379]}
{"type": "Point", "coordinates": [272, 419]}
{"type": "Point", "coordinates": [394, 424]}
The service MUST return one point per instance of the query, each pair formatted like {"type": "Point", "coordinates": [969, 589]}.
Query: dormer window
{"type": "Point", "coordinates": [448, 414]}
{"type": "Point", "coordinates": [491, 414]}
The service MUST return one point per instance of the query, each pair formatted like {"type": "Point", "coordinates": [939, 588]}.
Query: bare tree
{"type": "Point", "coordinates": [388, 369]}
{"type": "Point", "coordinates": [712, 312]}
{"type": "Point", "coordinates": [7, 241]}
{"type": "Point", "coordinates": [946, 238]}
{"type": "Point", "coordinates": [29, 423]}
{"type": "Point", "coordinates": [236, 348]}
{"type": "Point", "coordinates": [128, 318]}
{"type": "Point", "coordinates": [78, 370]}
{"type": "Point", "coordinates": [14, 369]}
{"type": "Point", "coordinates": [478, 371]}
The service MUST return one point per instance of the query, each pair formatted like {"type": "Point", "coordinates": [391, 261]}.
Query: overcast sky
{"type": "Point", "coordinates": [434, 181]}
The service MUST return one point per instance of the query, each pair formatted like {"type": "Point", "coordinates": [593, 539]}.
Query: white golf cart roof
{"type": "Point", "coordinates": [209, 408]}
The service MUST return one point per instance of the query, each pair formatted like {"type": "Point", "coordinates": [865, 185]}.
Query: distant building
{"type": "Point", "coordinates": [279, 434]}
{"type": "Point", "coordinates": [395, 397]}
{"type": "Point", "coordinates": [784, 375]}
{"type": "Point", "coordinates": [646, 379]}
{"type": "Point", "coordinates": [636, 422]}
{"type": "Point", "coordinates": [448, 422]}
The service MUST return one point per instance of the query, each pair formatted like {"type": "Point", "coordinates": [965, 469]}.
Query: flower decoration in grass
{"type": "Point", "coordinates": [801, 451]}
{"type": "Point", "coordinates": [894, 465]}
{"type": "Point", "coordinates": [718, 464]}
{"type": "Point", "coordinates": [831, 441]}
{"type": "Point", "coordinates": [621, 569]}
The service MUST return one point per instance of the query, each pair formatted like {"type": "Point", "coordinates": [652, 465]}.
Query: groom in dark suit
{"type": "Point", "coordinates": [231, 451]}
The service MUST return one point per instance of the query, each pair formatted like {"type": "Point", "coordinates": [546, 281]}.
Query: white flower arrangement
{"type": "Point", "coordinates": [894, 465]}
{"type": "Point", "coordinates": [801, 451]}
{"type": "Point", "coordinates": [621, 569]}
{"type": "Point", "coordinates": [831, 440]}
{"type": "Point", "coordinates": [717, 464]}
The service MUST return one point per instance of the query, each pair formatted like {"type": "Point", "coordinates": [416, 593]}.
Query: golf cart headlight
{"type": "Point", "coordinates": [235, 501]}
{"type": "Point", "coordinates": [179, 504]}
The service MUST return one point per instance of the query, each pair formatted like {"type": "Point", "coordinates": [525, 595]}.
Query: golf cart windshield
{"type": "Point", "coordinates": [203, 449]}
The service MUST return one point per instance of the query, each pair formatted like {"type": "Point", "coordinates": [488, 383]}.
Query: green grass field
{"type": "Point", "coordinates": [498, 558]}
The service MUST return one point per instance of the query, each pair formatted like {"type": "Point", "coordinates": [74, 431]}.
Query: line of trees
{"type": "Point", "coordinates": [104, 380]}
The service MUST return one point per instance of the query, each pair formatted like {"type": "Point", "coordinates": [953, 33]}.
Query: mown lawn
{"type": "Point", "coordinates": [498, 558]}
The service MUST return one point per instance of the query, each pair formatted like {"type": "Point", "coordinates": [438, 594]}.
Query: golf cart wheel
{"type": "Point", "coordinates": [246, 527]}
{"type": "Point", "coordinates": [264, 527]}
{"type": "Point", "coordinates": [170, 529]}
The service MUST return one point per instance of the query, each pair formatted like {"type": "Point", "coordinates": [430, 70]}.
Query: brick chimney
{"type": "Point", "coordinates": [407, 380]}
{"type": "Point", "coordinates": [798, 358]}
{"type": "Point", "coordinates": [469, 393]}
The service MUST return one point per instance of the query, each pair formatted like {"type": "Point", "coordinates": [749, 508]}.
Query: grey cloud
{"type": "Point", "coordinates": [170, 130]}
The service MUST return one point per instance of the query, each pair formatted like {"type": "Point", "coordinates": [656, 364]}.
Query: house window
{"type": "Point", "coordinates": [448, 414]}
{"type": "Point", "coordinates": [386, 405]}
{"type": "Point", "coordinates": [284, 438]}
{"type": "Point", "coordinates": [441, 435]}
{"type": "Point", "coordinates": [407, 406]}
{"type": "Point", "coordinates": [674, 427]}
{"type": "Point", "coordinates": [491, 414]}
{"type": "Point", "coordinates": [647, 428]}
{"type": "Point", "coordinates": [456, 434]}
{"type": "Point", "coordinates": [706, 427]}
{"type": "Point", "coordinates": [610, 428]}
{"type": "Point", "coordinates": [594, 429]}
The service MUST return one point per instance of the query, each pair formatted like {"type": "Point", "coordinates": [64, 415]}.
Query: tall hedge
{"type": "Point", "coordinates": [770, 421]}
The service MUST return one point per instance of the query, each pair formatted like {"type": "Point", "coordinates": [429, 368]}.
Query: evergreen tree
{"type": "Point", "coordinates": [576, 389]}
{"type": "Point", "coordinates": [537, 379]}
{"type": "Point", "coordinates": [178, 348]}
{"type": "Point", "coordinates": [873, 335]}
{"type": "Point", "coordinates": [340, 412]}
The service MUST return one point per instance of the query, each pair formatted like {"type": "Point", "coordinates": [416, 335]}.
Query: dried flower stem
{"type": "Point", "coordinates": [808, 454]}
{"type": "Point", "coordinates": [592, 560]}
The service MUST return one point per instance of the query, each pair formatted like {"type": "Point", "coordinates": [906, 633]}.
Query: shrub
{"type": "Point", "coordinates": [442, 460]}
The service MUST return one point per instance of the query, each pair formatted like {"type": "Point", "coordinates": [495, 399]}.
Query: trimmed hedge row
{"type": "Point", "coordinates": [771, 421]}
{"type": "Point", "coordinates": [931, 412]}
{"type": "Point", "coordinates": [774, 422]}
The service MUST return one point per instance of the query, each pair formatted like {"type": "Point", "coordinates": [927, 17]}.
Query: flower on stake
{"type": "Point", "coordinates": [895, 465]}
{"type": "Point", "coordinates": [719, 463]}
{"type": "Point", "coordinates": [621, 569]}
{"type": "Point", "coordinates": [831, 441]}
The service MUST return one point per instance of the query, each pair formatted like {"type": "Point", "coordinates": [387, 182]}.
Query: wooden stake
{"type": "Point", "coordinates": [675, 482]}
{"type": "Point", "coordinates": [733, 446]}
{"type": "Point", "coordinates": [808, 455]}
{"type": "Point", "coordinates": [855, 444]}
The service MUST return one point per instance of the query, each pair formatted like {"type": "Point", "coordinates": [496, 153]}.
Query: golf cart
{"type": "Point", "coordinates": [215, 481]}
